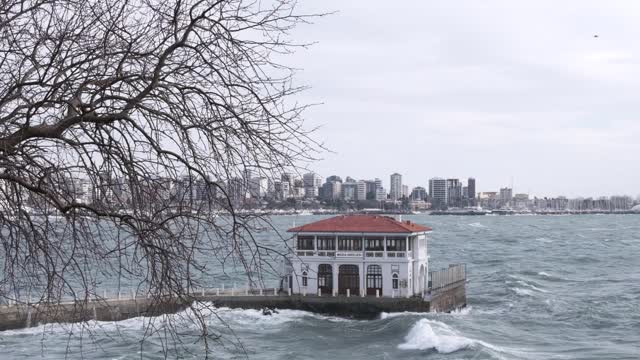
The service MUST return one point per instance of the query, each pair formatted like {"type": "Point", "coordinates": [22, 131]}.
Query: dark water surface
{"type": "Point", "coordinates": [540, 287]}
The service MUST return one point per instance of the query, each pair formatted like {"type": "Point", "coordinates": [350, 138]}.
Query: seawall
{"type": "Point", "coordinates": [20, 316]}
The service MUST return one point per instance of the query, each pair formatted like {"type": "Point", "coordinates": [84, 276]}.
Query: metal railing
{"type": "Point", "coordinates": [376, 254]}
{"type": "Point", "coordinates": [396, 254]}
{"type": "Point", "coordinates": [356, 254]}
{"type": "Point", "coordinates": [441, 279]}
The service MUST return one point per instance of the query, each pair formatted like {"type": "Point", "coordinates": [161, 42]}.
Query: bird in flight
{"type": "Point", "coordinates": [595, 36]}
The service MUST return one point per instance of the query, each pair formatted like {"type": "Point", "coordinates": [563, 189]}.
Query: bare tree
{"type": "Point", "coordinates": [124, 126]}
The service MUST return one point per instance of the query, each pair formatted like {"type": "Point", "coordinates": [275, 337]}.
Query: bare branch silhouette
{"type": "Point", "coordinates": [125, 127]}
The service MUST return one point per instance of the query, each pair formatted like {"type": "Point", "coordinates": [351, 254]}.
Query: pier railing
{"type": "Point", "coordinates": [115, 296]}
{"type": "Point", "coordinates": [443, 279]}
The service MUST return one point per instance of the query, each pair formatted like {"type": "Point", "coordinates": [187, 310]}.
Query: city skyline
{"type": "Point", "coordinates": [545, 102]}
{"type": "Point", "coordinates": [482, 188]}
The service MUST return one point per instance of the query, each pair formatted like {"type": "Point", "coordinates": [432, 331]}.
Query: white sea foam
{"type": "Point", "coordinates": [431, 334]}
{"type": "Point", "coordinates": [478, 225]}
{"type": "Point", "coordinates": [458, 312]}
{"type": "Point", "coordinates": [523, 292]}
{"type": "Point", "coordinates": [463, 311]}
{"type": "Point", "coordinates": [526, 283]}
{"type": "Point", "coordinates": [542, 273]}
{"type": "Point", "coordinates": [443, 339]}
{"type": "Point", "coordinates": [186, 318]}
{"type": "Point", "coordinates": [386, 315]}
{"type": "Point", "coordinates": [531, 286]}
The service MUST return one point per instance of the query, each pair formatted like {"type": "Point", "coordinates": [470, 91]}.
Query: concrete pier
{"type": "Point", "coordinates": [369, 307]}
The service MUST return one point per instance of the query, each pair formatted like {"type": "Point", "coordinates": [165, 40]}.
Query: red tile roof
{"type": "Point", "coordinates": [361, 224]}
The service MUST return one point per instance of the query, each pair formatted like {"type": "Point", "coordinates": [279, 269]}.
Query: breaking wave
{"type": "Point", "coordinates": [186, 318]}
{"type": "Point", "coordinates": [443, 339]}
{"type": "Point", "coordinates": [458, 312]}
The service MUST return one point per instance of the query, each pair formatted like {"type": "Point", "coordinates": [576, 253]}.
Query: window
{"type": "Point", "coordinates": [396, 243]}
{"type": "Point", "coordinates": [350, 243]}
{"type": "Point", "coordinates": [325, 276]}
{"type": "Point", "coordinates": [374, 280]}
{"type": "Point", "coordinates": [394, 281]}
{"type": "Point", "coordinates": [305, 242]}
{"type": "Point", "coordinates": [326, 243]}
{"type": "Point", "coordinates": [304, 278]}
{"type": "Point", "coordinates": [374, 244]}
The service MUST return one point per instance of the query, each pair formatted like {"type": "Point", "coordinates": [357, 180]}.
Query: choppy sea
{"type": "Point", "coordinates": [539, 287]}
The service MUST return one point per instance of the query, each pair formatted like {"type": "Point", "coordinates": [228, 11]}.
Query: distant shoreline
{"type": "Point", "coordinates": [444, 213]}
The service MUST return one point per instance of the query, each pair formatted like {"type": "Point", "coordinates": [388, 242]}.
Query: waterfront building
{"type": "Point", "coordinates": [471, 190]}
{"type": "Point", "coordinates": [521, 201]}
{"type": "Point", "coordinates": [488, 199]}
{"type": "Point", "coordinates": [332, 188]}
{"type": "Point", "coordinates": [349, 189]}
{"type": "Point", "coordinates": [454, 192]}
{"type": "Point", "coordinates": [506, 194]}
{"type": "Point", "coordinates": [361, 190]}
{"type": "Point", "coordinates": [371, 187]}
{"type": "Point", "coordinates": [405, 191]}
{"type": "Point", "coordinates": [285, 190]}
{"type": "Point", "coordinates": [418, 193]}
{"type": "Point", "coordinates": [378, 183]}
{"type": "Point", "coordinates": [438, 191]}
{"type": "Point", "coordinates": [381, 194]}
{"type": "Point", "coordinates": [395, 189]}
{"type": "Point", "coordinates": [236, 190]}
{"type": "Point", "coordinates": [360, 255]}
{"type": "Point", "coordinates": [259, 187]}
{"type": "Point", "coordinates": [312, 183]}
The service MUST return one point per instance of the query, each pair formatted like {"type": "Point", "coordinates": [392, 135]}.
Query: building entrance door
{"type": "Point", "coordinates": [348, 278]}
{"type": "Point", "coordinates": [374, 279]}
{"type": "Point", "coordinates": [325, 278]}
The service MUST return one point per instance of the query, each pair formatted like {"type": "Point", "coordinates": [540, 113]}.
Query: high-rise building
{"type": "Point", "coordinates": [259, 187]}
{"type": "Point", "coordinates": [370, 189]}
{"type": "Point", "coordinates": [332, 188]}
{"type": "Point", "coordinates": [349, 190]}
{"type": "Point", "coordinates": [505, 195]}
{"type": "Point", "coordinates": [418, 193]}
{"type": "Point", "coordinates": [438, 191]}
{"type": "Point", "coordinates": [454, 192]}
{"type": "Point", "coordinates": [471, 190]}
{"type": "Point", "coordinates": [312, 183]}
{"type": "Point", "coordinates": [405, 191]}
{"type": "Point", "coordinates": [378, 183]}
{"type": "Point", "coordinates": [361, 190]}
{"type": "Point", "coordinates": [395, 190]}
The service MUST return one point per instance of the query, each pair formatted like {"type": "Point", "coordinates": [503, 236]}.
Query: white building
{"type": "Point", "coordinates": [438, 190]}
{"type": "Point", "coordinates": [361, 190]}
{"type": "Point", "coordinates": [312, 183]}
{"type": "Point", "coordinates": [395, 190]}
{"type": "Point", "coordinates": [259, 187]}
{"type": "Point", "coordinates": [349, 190]}
{"type": "Point", "coordinates": [359, 255]}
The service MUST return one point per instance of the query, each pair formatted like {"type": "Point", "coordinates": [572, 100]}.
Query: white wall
{"type": "Point", "coordinates": [404, 266]}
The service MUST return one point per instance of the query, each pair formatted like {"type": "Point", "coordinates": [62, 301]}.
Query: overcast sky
{"type": "Point", "coordinates": [497, 90]}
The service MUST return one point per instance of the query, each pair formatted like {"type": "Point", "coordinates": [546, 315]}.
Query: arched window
{"type": "Point", "coordinates": [304, 278]}
{"type": "Point", "coordinates": [394, 281]}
